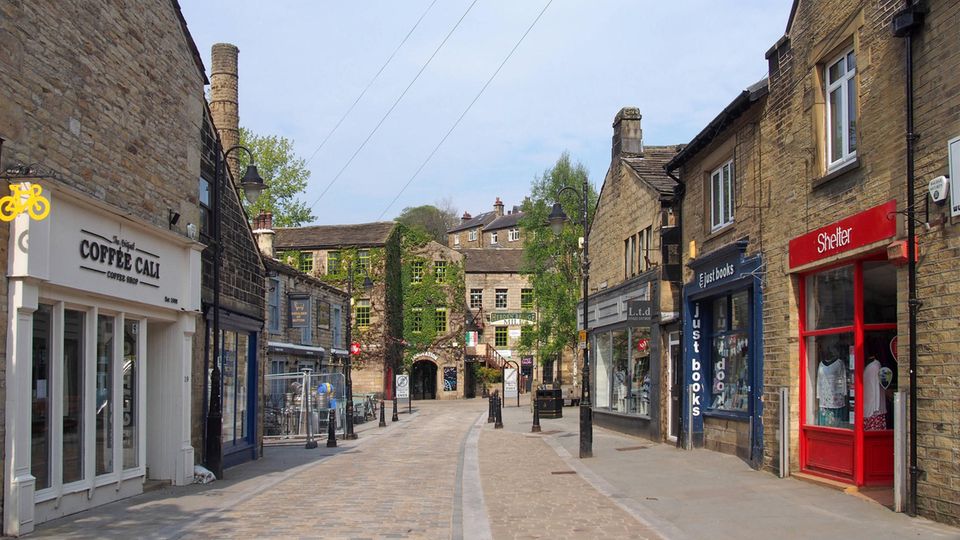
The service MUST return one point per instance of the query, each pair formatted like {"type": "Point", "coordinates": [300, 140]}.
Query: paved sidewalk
{"type": "Point", "coordinates": [704, 494]}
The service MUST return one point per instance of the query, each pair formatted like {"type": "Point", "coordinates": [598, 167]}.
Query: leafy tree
{"type": "Point", "coordinates": [284, 172]}
{"type": "Point", "coordinates": [553, 261]}
{"type": "Point", "coordinates": [433, 220]}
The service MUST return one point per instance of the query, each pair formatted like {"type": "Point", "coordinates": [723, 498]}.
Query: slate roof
{"type": "Point", "coordinates": [330, 236]}
{"type": "Point", "coordinates": [277, 266]}
{"type": "Point", "coordinates": [650, 168]}
{"type": "Point", "coordinates": [477, 221]}
{"type": "Point", "coordinates": [503, 222]}
{"type": "Point", "coordinates": [493, 261]}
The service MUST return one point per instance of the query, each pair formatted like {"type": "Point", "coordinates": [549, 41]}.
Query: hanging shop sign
{"type": "Point", "coordinates": [513, 318]}
{"type": "Point", "coordinates": [670, 253]}
{"type": "Point", "coordinates": [526, 361]}
{"type": "Point", "coordinates": [695, 376]}
{"type": "Point", "coordinates": [873, 225]}
{"type": "Point", "coordinates": [640, 311]}
{"type": "Point", "coordinates": [26, 198]}
{"type": "Point", "coordinates": [299, 311]}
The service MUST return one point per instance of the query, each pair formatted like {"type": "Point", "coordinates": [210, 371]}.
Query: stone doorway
{"type": "Point", "coordinates": [423, 380]}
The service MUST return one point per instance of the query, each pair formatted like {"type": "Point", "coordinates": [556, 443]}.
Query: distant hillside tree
{"type": "Point", "coordinates": [433, 220]}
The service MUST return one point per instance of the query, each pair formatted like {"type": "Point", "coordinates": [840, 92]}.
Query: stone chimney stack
{"type": "Point", "coordinates": [263, 232]}
{"type": "Point", "coordinates": [224, 101]}
{"type": "Point", "coordinates": [627, 135]}
{"type": "Point", "coordinates": [498, 207]}
{"type": "Point", "coordinates": [465, 218]}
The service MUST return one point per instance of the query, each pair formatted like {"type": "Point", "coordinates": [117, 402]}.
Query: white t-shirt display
{"type": "Point", "coordinates": [832, 385]}
{"type": "Point", "coordinates": [874, 398]}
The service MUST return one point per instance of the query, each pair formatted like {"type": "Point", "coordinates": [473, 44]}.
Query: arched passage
{"type": "Point", "coordinates": [423, 380]}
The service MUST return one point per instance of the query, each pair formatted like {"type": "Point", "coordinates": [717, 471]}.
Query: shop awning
{"type": "Point", "coordinates": [294, 349]}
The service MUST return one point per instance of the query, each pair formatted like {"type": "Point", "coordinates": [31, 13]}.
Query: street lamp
{"type": "Point", "coordinates": [557, 219]}
{"type": "Point", "coordinates": [367, 285]}
{"type": "Point", "coordinates": [252, 185]}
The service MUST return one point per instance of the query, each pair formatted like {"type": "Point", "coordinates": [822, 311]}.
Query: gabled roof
{"type": "Point", "coordinates": [493, 261]}
{"type": "Point", "coordinates": [503, 222]}
{"type": "Point", "coordinates": [650, 168]}
{"type": "Point", "coordinates": [741, 104]}
{"type": "Point", "coordinates": [479, 220]}
{"type": "Point", "coordinates": [197, 59]}
{"type": "Point", "coordinates": [332, 236]}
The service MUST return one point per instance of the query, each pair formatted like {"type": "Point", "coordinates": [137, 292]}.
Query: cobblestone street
{"type": "Point", "coordinates": [444, 472]}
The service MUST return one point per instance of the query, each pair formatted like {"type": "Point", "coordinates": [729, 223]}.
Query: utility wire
{"type": "Point", "coordinates": [465, 111]}
{"type": "Point", "coordinates": [394, 106]}
{"type": "Point", "coordinates": [373, 80]}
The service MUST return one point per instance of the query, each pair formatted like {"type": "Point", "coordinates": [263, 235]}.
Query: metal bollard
{"type": "Point", "coordinates": [311, 443]}
{"type": "Point", "coordinates": [332, 429]}
{"type": "Point", "coordinates": [490, 413]}
{"type": "Point", "coordinates": [536, 416]}
{"type": "Point", "coordinates": [383, 422]}
{"type": "Point", "coordinates": [499, 422]}
{"type": "Point", "coordinates": [395, 417]}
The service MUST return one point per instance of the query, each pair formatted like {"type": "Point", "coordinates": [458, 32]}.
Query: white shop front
{"type": "Point", "coordinates": [102, 312]}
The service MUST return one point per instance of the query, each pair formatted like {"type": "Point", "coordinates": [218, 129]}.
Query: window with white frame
{"type": "Point", "coordinates": [501, 299]}
{"type": "Point", "coordinates": [514, 234]}
{"type": "Point", "coordinates": [456, 239]}
{"type": "Point", "coordinates": [493, 237]}
{"type": "Point", "coordinates": [841, 109]}
{"type": "Point", "coordinates": [472, 235]}
{"type": "Point", "coordinates": [721, 196]}
{"type": "Point", "coordinates": [629, 248]}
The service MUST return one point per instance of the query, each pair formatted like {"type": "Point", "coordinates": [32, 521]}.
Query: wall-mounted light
{"type": "Point", "coordinates": [173, 217]}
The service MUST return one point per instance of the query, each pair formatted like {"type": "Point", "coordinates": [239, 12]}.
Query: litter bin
{"type": "Point", "coordinates": [550, 401]}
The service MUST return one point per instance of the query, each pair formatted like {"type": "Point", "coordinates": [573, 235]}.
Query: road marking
{"type": "Point", "coordinates": [471, 506]}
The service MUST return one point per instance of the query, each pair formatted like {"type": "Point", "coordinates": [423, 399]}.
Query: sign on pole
{"type": "Point", "coordinates": [510, 386]}
{"type": "Point", "coordinates": [403, 386]}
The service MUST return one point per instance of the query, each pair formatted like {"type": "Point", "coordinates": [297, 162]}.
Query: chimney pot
{"type": "Point", "coordinates": [465, 217]}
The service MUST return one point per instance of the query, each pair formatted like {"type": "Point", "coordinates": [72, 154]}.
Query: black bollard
{"type": "Point", "coordinates": [536, 416]}
{"type": "Point", "coordinates": [490, 413]}
{"type": "Point", "coordinates": [395, 417]}
{"type": "Point", "coordinates": [332, 429]}
{"type": "Point", "coordinates": [499, 423]}
{"type": "Point", "coordinates": [383, 422]}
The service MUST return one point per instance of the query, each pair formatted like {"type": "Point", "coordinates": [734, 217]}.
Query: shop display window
{"type": "Point", "coordinates": [730, 353]}
{"type": "Point", "coordinates": [621, 351]}
{"type": "Point", "coordinates": [622, 370]}
{"type": "Point", "coordinates": [831, 398]}
{"type": "Point", "coordinates": [40, 459]}
{"type": "Point", "coordinates": [602, 369]}
{"type": "Point", "coordinates": [830, 298]}
{"type": "Point", "coordinates": [235, 389]}
{"type": "Point", "coordinates": [104, 418]}
{"type": "Point", "coordinates": [74, 328]}
{"type": "Point", "coordinates": [640, 371]}
{"type": "Point", "coordinates": [131, 393]}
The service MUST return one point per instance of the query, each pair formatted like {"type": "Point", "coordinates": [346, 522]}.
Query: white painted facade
{"type": "Point", "coordinates": [92, 265]}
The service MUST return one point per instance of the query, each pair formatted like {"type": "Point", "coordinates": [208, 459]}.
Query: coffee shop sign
{"type": "Point", "coordinates": [118, 259]}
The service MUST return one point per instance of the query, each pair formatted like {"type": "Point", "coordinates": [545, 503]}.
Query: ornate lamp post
{"type": "Point", "coordinates": [557, 219]}
{"type": "Point", "coordinates": [252, 185]}
{"type": "Point", "coordinates": [367, 285]}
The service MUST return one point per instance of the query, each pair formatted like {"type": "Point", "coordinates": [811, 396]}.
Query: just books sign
{"type": "Point", "coordinates": [873, 225]}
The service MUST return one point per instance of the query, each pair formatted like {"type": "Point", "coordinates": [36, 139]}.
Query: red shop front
{"type": "Point", "coordinates": [848, 346]}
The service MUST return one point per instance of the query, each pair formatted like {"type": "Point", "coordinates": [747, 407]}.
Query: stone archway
{"type": "Point", "coordinates": [423, 379]}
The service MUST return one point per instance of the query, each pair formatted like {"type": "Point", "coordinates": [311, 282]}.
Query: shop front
{"type": "Point", "coordinates": [848, 346]}
{"type": "Point", "coordinates": [102, 314]}
{"type": "Point", "coordinates": [625, 348]}
{"type": "Point", "coordinates": [723, 353]}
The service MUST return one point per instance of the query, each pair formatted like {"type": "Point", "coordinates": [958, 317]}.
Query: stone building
{"type": "Point", "coordinates": [433, 318]}
{"type": "Point", "coordinates": [100, 311]}
{"type": "Point", "coordinates": [242, 298]}
{"type": "Point", "coordinates": [372, 249]}
{"type": "Point", "coordinates": [722, 218]}
{"type": "Point", "coordinates": [836, 306]}
{"type": "Point", "coordinates": [634, 353]}
{"type": "Point", "coordinates": [305, 330]}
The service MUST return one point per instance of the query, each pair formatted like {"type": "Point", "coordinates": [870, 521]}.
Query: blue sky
{"type": "Point", "coordinates": [303, 63]}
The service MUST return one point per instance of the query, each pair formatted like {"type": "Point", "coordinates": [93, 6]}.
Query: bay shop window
{"type": "Point", "coordinates": [87, 398]}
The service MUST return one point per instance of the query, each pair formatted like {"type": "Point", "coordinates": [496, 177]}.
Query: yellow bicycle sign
{"type": "Point", "coordinates": [24, 197]}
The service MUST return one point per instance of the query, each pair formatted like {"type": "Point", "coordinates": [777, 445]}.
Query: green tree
{"type": "Point", "coordinates": [433, 220]}
{"type": "Point", "coordinates": [553, 261]}
{"type": "Point", "coordinates": [284, 172]}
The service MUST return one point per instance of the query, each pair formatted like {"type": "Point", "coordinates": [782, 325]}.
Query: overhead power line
{"type": "Point", "coordinates": [369, 84]}
{"type": "Point", "coordinates": [395, 103]}
{"type": "Point", "coordinates": [465, 111]}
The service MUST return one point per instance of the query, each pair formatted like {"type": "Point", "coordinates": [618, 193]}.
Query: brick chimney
{"type": "Point", "coordinates": [627, 135]}
{"type": "Point", "coordinates": [465, 218]}
{"type": "Point", "coordinates": [224, 101]}
{"type": "Point", "coordinates": [498, 207]}
{"type": "Point", "coordinates": [263, 232]}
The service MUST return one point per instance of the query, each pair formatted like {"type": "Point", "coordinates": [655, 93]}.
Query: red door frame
{"type": "Point", "coordinates": [859, 328]}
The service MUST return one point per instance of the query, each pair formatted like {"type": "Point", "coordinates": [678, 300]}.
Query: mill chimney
{"type": "Point", "coordinates": [224, 100]}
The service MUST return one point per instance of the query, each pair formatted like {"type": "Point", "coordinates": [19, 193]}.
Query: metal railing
{"type": "Point", "coordinates": [286, 414]}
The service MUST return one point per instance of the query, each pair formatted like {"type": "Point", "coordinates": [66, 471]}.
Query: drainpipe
{"type": "Point", "coordinates": [905, 24]}
{"type": "Point", "coordinates": [678, 201]}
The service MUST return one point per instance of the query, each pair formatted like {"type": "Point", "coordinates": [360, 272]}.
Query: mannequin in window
{"type": "Point", "coordinates": [874, 397]}
{"type": "Point", "coordinates": [832, 392]}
